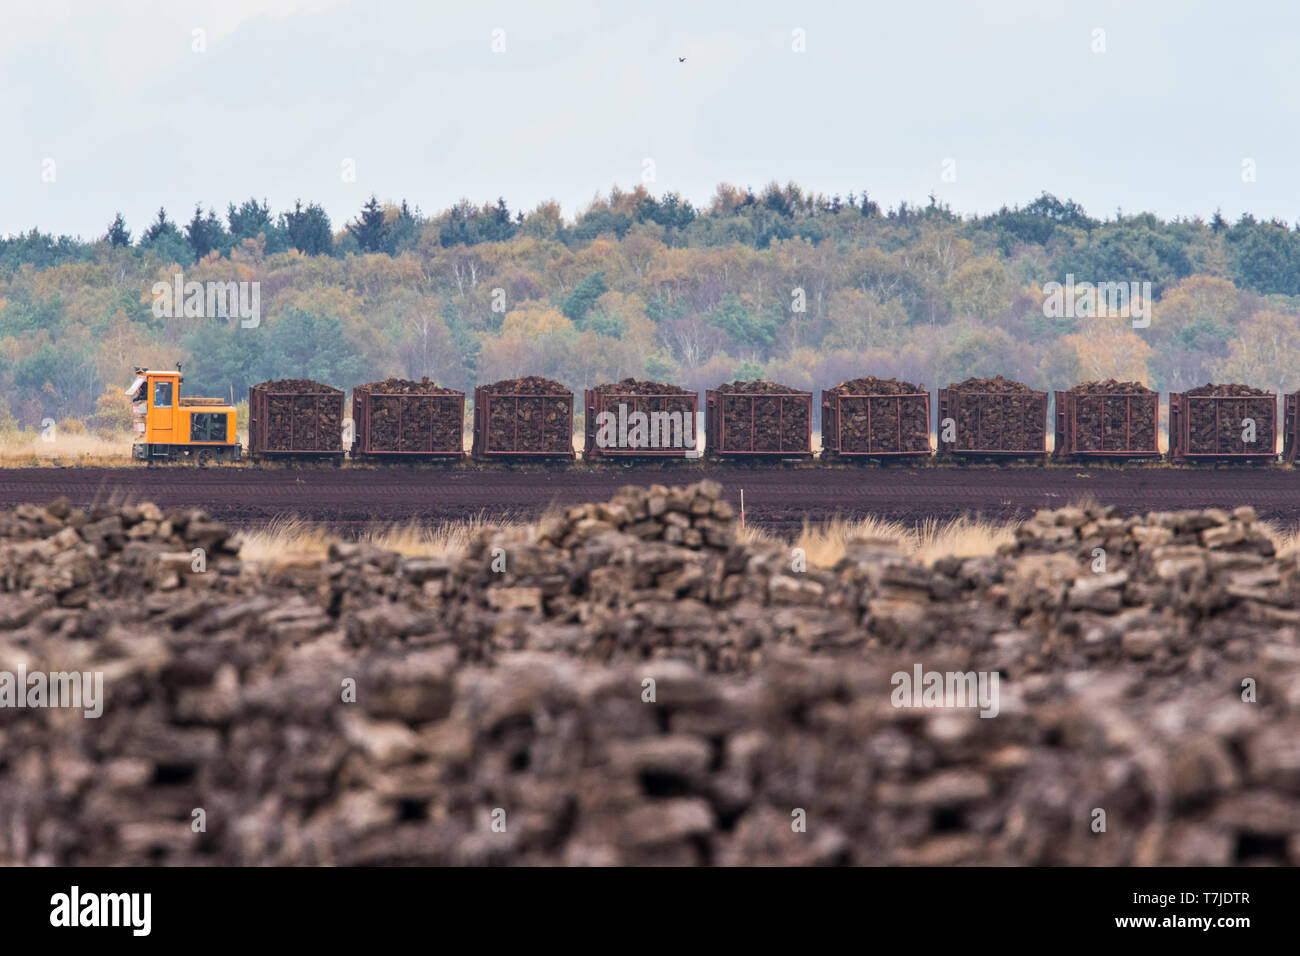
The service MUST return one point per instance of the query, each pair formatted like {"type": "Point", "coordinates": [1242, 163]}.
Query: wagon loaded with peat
{"type": "Point", "coordinates": [523, 418]}
{"type": "Point", "coordinates": [295, 418]}
{"type": "Point", "coordinates": [408, 419]}
{"type": "Point", "coordinates": [1224, 423]}
{"type": "Point", "coordinates": [1291, 427]}
{"type": "Point", "coordinates": [759, 419]}
{"type": "Point", "coordinates": [632, 419]}
{"type": "Point", "coordinates": [992, 417]}
{"type": "Point", "coordinates": [1107, 419]}
{"type": "Point", "coordinates": [875, 418]}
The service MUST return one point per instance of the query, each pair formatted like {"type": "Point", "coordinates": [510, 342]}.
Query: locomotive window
{"type": "Point", "coordinates": [207, 426]}
{"type": "Point", "coordinates": [162, 394]}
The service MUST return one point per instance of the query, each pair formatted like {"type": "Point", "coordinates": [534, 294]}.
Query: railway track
{"type": "Point", "coordinates": [779, 499]}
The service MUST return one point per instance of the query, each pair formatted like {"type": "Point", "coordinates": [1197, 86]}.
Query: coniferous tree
{"type": "Point", "coordinates": [584, 296]}
{"type": "Point", "coordinates": [370, 230]}
{"type": "Point", "coordinates": [166, 241]}
{"type": "Point", "coordinates": [250, 220]}
{"type": "Point", "coordinates": [206, 234]}
{"type": "Point", "coordinates": [309, 229]}
{"type": "Point", "coordinates": [118, 234]}
{"type": "Point", "coordinates": [162, 226]}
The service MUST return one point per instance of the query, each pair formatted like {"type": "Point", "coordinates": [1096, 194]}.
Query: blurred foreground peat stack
{"type": "Point", "coordinates": [626, 683]}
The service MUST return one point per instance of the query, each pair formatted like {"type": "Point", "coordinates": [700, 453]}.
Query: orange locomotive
{"type": "Point", "coordinates": [170, 427]}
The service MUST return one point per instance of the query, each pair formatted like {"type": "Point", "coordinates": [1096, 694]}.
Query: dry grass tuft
{"type": "Point", "coordinates": [27, 448]}
{"type": "Point", "coordinates": [1286, 540]}
{"type": "Point", "coordinates": [824, 544]}
{"type": "Point", "coordinates": [291, 539]}
{"type": "Point", "coordinates": [287, 540]}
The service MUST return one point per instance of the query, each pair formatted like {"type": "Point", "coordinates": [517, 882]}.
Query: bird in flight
{"type": "Point", "coordinates": [681, 59]}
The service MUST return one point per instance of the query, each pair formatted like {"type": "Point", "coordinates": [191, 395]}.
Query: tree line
{"type": "Point", "coordinates": [1262, 256]}
{"type": "Point", "coordinates": [779, 283]}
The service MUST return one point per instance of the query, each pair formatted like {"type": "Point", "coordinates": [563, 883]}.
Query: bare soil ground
{"type": "Point", "coordinates": [778, 499]}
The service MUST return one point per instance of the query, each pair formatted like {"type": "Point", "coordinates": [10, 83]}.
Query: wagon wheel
{"type": "Point", "coordinates": [203, 457]}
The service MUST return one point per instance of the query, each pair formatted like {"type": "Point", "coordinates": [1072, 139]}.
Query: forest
{"type": "Point", "coordinates": [777, 283]}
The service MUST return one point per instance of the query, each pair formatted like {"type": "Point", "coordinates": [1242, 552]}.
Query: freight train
{"type": "Point", "coordinates": [866, 419]}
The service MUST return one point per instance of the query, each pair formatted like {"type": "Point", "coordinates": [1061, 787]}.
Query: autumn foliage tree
{"type": "Point", "coordinates": [1263, 353]}
{"type": "Point", "coordinates": [1108, 348]}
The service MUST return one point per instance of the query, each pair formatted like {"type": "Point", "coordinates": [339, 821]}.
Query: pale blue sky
{"type": "Point", "coordinates": [585, 91]}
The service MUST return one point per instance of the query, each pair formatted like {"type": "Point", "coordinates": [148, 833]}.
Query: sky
{"type": "Point", "coordinates": [1177, 108]}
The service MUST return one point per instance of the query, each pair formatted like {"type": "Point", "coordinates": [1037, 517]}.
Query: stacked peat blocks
{"type": "Point", "coordinates": [1227, 422]}
{"type": "Point", "coordinates": [528, 417]}
{"type": "Point", "coordinates": [1107, 419]}
{"type": "Point", "coordinates": [875, 417]}
{"type": "Point", "coordinates": [988, 417]}
{"type": "Point", "coordinates": [644, 419]}
{"type": "Point", "coordinates": [758, 418]}
{"type": "Point", "coordinates": [638, 686]}
{"type": "Point", "coordinates": [295, 418]}
{"type": "Point", "coordinates": [401, 417]}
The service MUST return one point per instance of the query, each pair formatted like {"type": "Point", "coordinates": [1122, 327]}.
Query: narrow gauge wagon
{"type": "Point", "coordinates": [1291, 426]}
{"type": "Point", "coordinates": [992, 417]}
{"type": "Point", "coordinates": [758, 419]}
{"type": "Point", "coordinates": [1223, 423]}
{"type": "Point", "coordinates": [407, 419]}
{"type": "Point", "coordinates": [524, 418]}
{"type": "Point", "coordinates": [875, 418]}
{"type": "Point", "coordinates": [295, 418]}
{"type": "Point", "coordinates": [631, 419]}
{"type": "Point", "coordinates": [1107, 420]}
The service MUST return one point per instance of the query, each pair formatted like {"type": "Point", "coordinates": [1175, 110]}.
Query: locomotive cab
{"type": "Point", "coordinates": [170, 427]}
